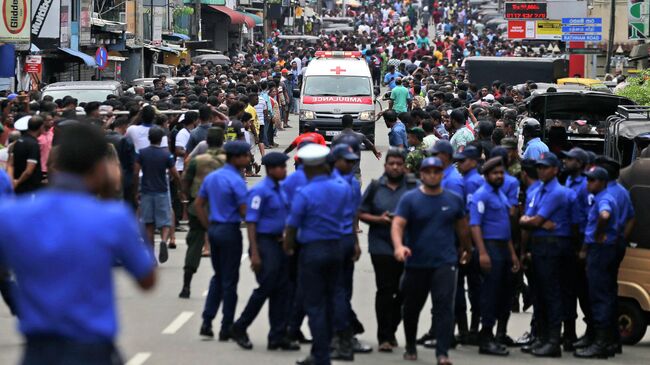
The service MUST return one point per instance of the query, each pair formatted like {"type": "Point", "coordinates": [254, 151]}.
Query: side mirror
{"type": "Point", "coordinates": [377, 91]}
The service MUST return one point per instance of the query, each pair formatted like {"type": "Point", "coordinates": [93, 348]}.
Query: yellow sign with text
{"type": "Point", "coordinates": [549, 29]}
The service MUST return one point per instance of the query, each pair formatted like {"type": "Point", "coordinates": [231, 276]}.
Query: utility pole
{"type": "Point", "coordinates": [197, 19]}
{"type": "Point", "coordinates": [139, 31]}
{"type": "Point", "coordinates": [610, 42]}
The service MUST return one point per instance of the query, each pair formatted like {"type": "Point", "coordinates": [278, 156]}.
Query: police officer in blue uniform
{"type": "Point", "coordinates": [315, 220]}
{"type": "Point", "coordinates": [225, 191]}
{"type": "Point", "coordinates": [575, 162]}
{"type": "Point", "coordinates": [624, 225]}
{"type": "Point", "coordinates": [266, 215]}
{"type": "Point", "coordinates": [601, 239]}
{"type": "Point", "coordinates": [452, 180]}
{"type": "Point", "coordinates": [65, 296]}
{"type": "Point", "coordinates": [490, 226]}
{"type": "Point", "coordinates": [467, 163]}
{"type": "Point", "coordinates": [344, 160]}
{"type": "Point", "coordinates": [549, 220]}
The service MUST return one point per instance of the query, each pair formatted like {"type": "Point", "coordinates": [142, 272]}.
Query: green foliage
{"type": "Point", "coordinates": [184, 10]}
{"type": "Point", "coordinates": [638, 88]}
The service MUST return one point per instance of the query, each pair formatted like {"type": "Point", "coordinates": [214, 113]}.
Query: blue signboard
{"type": "Point", "coordinates": [581, 37]}
{"type": "Point", "coordinates": [101, 58]}
{"type": "Point", "coordinates": [581, 29]}
{"type": "Point", "coordinates": [582, 21]}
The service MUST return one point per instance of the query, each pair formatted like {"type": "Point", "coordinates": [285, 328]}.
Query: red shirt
{"type": "Point", "coordinates": [308, 137]}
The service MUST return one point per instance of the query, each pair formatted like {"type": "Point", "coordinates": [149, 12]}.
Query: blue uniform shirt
{"type": "Point", "coordinates": [552, 201]}
{"type": "Point", "coordinates": [397, 135]}
{"type": "Point", "coordinates": [534, 148]}
{"type": "Point", "coordinates": [489, 210]}
{"type": "Point", "coordinates": [225, 190]}
{"type": "Point", "coordinates": [318, 209]}
{"type": "Point", "coordinates": [602, 202]}
{"type": "Point", "coordinates": [624, 205]}
{"type": "Point", "coordinates": [6, 186]}
{"type": "Point", "coordinates": [268, 207]}
{"type": "Point", "coordinates": [294, 182]}
{"type": "Point", "coordinates": [472, 181]}
{"type": "Point", "coordinates": [65, 267]}
{"type": "Point", "coordinates": [530, 193]}
{"type": "Point", "coordinates": [452, 181]}
{"type": "Point", "coordinates": [581, 206]}
{"type": "Point", "coordinates": [352, 205]}
{"type": "Point", "coordinates": [510, 188]}
{"type": "Point", "coordinates": [430, 230]}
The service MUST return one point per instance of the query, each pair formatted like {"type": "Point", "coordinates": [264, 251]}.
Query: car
{"type": "Point", "coordinates": [211, 59]}
{"type": "Point", "coordinates": [148, 82]}
{"type": "Point", "coordinates": [589, 84]}
{"type": "Point", "coordinates": [84, 91]}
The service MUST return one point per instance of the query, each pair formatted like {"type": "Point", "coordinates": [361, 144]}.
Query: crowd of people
{"type": "Point", "coordinates": [471, 202]}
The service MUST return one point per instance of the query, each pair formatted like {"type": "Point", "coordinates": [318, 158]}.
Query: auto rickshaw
{"type": "Point", "coordinates": [627, 141]}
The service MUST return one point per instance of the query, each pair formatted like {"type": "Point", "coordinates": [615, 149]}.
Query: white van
{"type": "Point", "coordinates": [337, 83]}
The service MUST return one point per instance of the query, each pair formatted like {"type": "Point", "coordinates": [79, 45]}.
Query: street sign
{"type": "Point", "coordinates": [585, 51]}
{"type": "Point", "coordinates": [101, 58]}
{"type": "Point", "coordinates": [580, 29]}
{"type": "Point", "coordinates": [33, 64]}
{"type": "Point", "coordinates": [582, 21]}
{"type": "Point", "coordinates": [581, 37]}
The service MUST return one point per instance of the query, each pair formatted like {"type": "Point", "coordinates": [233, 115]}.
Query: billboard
{"type": "Point", "coordinates": [46, 20]}
{"type": "Point", "coordinates": [15, 21]}
{"type": "Point", "coordinates": [637, 19]}
{"type": "Point", "coordinates": [521, 29]}
{"type": "Point", "coordinates": [549, 30]}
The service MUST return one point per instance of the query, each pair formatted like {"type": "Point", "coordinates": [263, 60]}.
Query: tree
{"type": "Point", "coordinates": [638, 88]}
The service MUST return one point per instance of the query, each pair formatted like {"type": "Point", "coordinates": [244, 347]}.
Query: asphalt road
{"type": "Point", "coordinates": [159, 328]}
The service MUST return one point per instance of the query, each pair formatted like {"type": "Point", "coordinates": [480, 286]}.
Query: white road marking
{"type": "Point", "coordinates": [139, 358]}
{"type": "Point", "coordinates": [177, 323]}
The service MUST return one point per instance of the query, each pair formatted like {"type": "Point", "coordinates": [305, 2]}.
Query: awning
{"type": "Point", "coordinates": [87, 59]}
{"type": "Point", "coordinates": [258, 19]}
{"type": "Point", "coordinates": [108, 25]}
{"type": "Point", "coordinates": [176, 37]}
{"type": "Point", "coordinates": [236, 17]}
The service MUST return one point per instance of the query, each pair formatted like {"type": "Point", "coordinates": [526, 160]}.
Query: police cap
{"type": "Point", "coordinates": [274, 159]}
{"type": "Point", "coordinates": [470, 152]}
{"type": "Point", "coordinates": [576, 153]}
{"type": "Point", "coordinates": [611, 165]}
{"type": "Point", "coordinates": [597, 173]}
{"type": "Point", "coordinates": [418, 132]}
{"type": "Point", "coordinates": [548, 159]}
{"type": "Point", "coordinates": [431, 162]}
{"type": "Point", "coordinates": [313, 154]}
{"type": "Point", "coordinates": [490, 164]}
{"type": "Point", "coordinates": [343, 151]}
{"type": "Point", "coordinates": [237, 148]}
{"type": "Point", "coordinates": [442, 146]}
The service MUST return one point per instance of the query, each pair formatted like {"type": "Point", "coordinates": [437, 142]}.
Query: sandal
{"type": "Point", "coordinates": [444, 360]}
{"type": "Point", "coordinates": [411, 354]}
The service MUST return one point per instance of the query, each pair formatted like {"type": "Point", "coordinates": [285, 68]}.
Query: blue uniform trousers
{"type": "Point", "coordinates": [296, 296]}
{"type": "Point", "coordinates": [601, 263]}
{"type": "Point", "coordinates": [471, 272]}
{"type": "Point", "coordinates": [56, 350]}
{"type": "Point", "coordinates": [320, 266]}
{"type": "Point", "coordinates": [225, 254]}
{"type": "Point", "coordinates": [496, 285]}
{"type": "Point", "coordinates": [551, 264]}
{"type": "Point", "coordinates": [440, 283]}
{"type": "Point", "coordinates": [273, 280]}
{"type": "Point", "coordinates": [621, 247]}
{"type": "Point", "coordinates": [342, 303]}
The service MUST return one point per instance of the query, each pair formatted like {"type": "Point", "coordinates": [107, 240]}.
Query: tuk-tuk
{"type": "Point", "coordinates": [628, 134]}
{"type": "Point", "coordinates": [589, 84]}
{"type": "Point", "coordinates": [574, 118]}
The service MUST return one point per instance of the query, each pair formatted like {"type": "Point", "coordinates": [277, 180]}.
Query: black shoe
{"type": "Point", "coordinates": [300, 338]}
{"type": "Point", "coordinates": [342, 347]}
{"type": "Point", "coordinates": [240, 337]}
{"type": "Point", "coordinates": [489, 346]}
{"type": "Point", "coordinates": [163, 255]}
{"type": "Point", "coordinates": [584, 341]}
{"type": "Point", "coordinates": [427, 337]}
{"type": "Point", "coordinates": [185, 293]}
{"type": "Point", "coordinates": [206, 330]}
{"type": "Point", "coordinates": [309, 360]}
{"type": "Point", "coordinates": [597, 350]}
{"type": "Point", "coordinates": [357, 327]}
{"type": "Point", "coordinates": [462, 338]}
{"type": "Point", "coordinates": [549, 349]}
{"type": "Point", "coordinates": [526, 339]}
{"type": "Point", "coordinates": [504, 340]}
{"type": "Point", "coordinates": [567, 344]}
{"type": "Point", "coordinates": [472, 338]}
{"type": "Point", "coordinates": [614, 349]}
{"type": "Point", "coordinates": [537, 343]}
{"type": "Point", "coordinates": [284, 345]}
{"type": "Point", "coordinates": [224, 337]}
{"type": "Point", "coordinates": [360, 348]}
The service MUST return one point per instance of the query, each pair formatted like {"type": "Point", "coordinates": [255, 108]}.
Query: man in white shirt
{"type": "Point", "coordinates": [139, 134]}
{"type": "Point", "coordinates": [188, 120]}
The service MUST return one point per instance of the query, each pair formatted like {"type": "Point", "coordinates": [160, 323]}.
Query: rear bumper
{"type": "Point", "coordinates": [328, 127]}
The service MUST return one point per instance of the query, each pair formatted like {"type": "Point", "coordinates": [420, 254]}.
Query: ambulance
{"type": "Point", "coordinates": [336, 83]}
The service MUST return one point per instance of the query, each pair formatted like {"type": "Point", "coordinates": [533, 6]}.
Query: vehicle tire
{"type": "Point", "coordinates": [632, 323]}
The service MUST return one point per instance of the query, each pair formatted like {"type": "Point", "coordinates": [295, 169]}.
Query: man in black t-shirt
{"type": "Point", "coordinates": [354, 139]}
{"type": "Point", "coordinates": [27, 158]}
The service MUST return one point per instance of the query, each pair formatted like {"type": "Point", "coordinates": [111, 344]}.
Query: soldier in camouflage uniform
{"type": "Point", "coordinates": [514, 164]}
{"type": "Point", "coordinates": [417, 151]}
{"type": "Point", "coordinates": [199, 167]}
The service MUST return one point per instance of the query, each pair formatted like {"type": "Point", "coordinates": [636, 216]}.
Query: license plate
{"type": "Point", "coordinates": [332, 133]}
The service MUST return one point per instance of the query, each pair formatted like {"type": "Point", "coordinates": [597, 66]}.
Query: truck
{"type": "Point", "coordinates": [482, 71]}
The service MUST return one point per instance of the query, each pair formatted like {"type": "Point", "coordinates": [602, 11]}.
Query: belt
{"type": "Point", "coordinates": [277, 237]}
{"type": "Point", "coordinates": [549, 240]}
{"type": "Point", "coordinates": [225, 223]}
{"type": "Point", "coordinates": [497, 243]}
